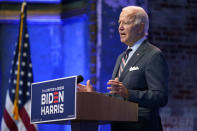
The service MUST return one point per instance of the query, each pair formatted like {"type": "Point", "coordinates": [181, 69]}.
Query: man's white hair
{"type": "Point", "coordinates": [140, 16]}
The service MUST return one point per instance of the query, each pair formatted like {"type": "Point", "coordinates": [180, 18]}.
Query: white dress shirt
{"type": "Point", "coordinates": [134, 48]}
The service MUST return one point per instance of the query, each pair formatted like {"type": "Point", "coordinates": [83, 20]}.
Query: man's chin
{"type": "Point", "coordinates": [122, 40]}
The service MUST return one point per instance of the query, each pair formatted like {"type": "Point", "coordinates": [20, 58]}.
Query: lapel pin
{"type": "Point", "coordinates": [138, 54]}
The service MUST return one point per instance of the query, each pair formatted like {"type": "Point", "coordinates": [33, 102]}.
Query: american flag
{"type": "Point", "coordinates": [16, 115]}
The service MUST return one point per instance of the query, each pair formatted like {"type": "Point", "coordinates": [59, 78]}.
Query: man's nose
{"type": "Point", "coordinates": [121, 27]}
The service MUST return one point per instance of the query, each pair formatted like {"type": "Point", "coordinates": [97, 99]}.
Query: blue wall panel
{"type": "Point", "coordinates": [76, 50]}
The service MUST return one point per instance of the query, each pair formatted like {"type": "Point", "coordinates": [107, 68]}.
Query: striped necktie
{"type": "Point", "coordinates": [123, 61]}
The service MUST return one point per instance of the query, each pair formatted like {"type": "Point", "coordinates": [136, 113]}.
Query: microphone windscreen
{"type": "Point", "coordinates": [79, 78]}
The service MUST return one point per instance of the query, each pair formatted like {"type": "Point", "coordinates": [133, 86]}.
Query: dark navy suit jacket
{"type": "Point", "coordinates": [146, 78]}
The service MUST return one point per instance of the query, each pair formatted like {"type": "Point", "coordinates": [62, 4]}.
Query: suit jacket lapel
{"type": "Point", "coordinates": [136, 56]}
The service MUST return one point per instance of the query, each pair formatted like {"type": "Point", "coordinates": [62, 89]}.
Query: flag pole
{"type": "Point", "coordinates": [16, 108]}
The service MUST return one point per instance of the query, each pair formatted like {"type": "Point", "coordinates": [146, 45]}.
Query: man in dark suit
{"type": "Point", "coordinates": [140, 74]}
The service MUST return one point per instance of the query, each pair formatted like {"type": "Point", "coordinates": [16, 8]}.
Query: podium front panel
{"type": "Point", "coordinates": [54, 100]}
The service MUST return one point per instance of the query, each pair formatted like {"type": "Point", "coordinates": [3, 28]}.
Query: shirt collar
{"type": "Point", "coordinates": [136, 44]}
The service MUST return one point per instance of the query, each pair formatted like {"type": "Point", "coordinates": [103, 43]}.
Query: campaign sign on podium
{"type": "Point", "coordinates": [54, 100]}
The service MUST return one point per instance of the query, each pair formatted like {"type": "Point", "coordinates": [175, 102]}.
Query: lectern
{"type": "Point", "coordinates": [57, 101]}
{"type": "Point", "coordinates": [94, 108]}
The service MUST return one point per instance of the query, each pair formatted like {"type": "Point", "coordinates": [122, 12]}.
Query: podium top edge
{"type": "Point", "coordinates": [54, 79]}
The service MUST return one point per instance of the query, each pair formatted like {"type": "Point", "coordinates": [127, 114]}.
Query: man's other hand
{"type": "Point", "coordinates": [117, 87]}
{"type": "Point", "coordinates": [85, 88]}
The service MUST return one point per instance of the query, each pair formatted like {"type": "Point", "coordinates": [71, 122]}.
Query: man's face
{"type": "Point", "coordinates": [128, 30]}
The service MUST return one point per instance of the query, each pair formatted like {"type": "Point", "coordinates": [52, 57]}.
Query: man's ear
{"type": "Point", "coordinates": [141, 28]}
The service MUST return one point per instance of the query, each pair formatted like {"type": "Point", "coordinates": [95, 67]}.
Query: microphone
{"type": "Point", "coordinates": [79, 79]}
